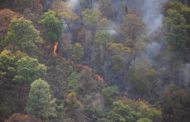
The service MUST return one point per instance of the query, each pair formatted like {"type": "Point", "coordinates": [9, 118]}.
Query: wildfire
{"type": "Point", "coordinates": [55, 47]}
{"type": "Point", "coordinates": [99, 78]}
{"type": "Point", "coordinates": [90, 70]}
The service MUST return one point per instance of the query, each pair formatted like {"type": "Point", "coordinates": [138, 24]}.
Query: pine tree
{"type": "Point", "coordinates": [40, 102]}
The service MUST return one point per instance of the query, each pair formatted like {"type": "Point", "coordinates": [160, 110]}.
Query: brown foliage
{"type": "Point", "coordinates": [6, 15]}
{"type": "Point", "coordinates": [176, 104]}
{"type": "Point", "coordinates": [21, 5]}
{"type": "Point", "coordinates": [132, 27]}
{"type": "Point", "coordinates": [91, 72]}
{"type": "Point", "coordinates": [64, 10]}
{"type": "Point", "coordinates": [19, 117]}
{"type": "Point", "coordinates": [12, 99]}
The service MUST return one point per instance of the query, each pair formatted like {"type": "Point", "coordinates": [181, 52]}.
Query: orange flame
{"type": "Point", "coordinates": [99, 78]}
{"type": "Point", "coordinates": [55, 47]}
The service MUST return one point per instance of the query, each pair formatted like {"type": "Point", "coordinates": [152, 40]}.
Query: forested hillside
{"type": "Point", "coordinates": [94, 60]}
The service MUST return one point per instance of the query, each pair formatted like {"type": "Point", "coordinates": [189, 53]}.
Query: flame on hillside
{"type": "Point", "coordinates": [92, 71]}
{"type": "Point", "coordinates": [55, 48]}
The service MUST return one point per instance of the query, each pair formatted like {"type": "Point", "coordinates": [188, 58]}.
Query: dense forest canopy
{"type": "Point", "coordinates": [94, 60]}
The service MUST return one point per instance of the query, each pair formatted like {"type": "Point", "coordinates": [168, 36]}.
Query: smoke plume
{"type": "Point", "coordinates": [73, 3]}
{"type": "Point", "coordinates": [151, 11]}
{"type": "Point", "coordinates": [153, 16]}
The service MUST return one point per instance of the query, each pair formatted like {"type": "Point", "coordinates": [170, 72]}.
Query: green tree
{"type": "Point", "coordinates": [40, 102]}
{"type": "Point", "coordinates": [177, 26]}
{"type": "Point", "coordinates": [180, 7]}
{"type": "Point", "coordinates": [74, 81]}
{"type": "Point", "coordinates": [91, 17]}
{"type": "Point", "coordinates": [23, 36]}
{"type": "Point", "coordinates": [77, 52]}
{"type": "Point", "coordinates": [109, 93]}
{"type": "Point", "coordinates": [142, 77]}
{"type": "Point", "coordinates": [120, 55]}
{"type": "Point", "coordinates": [123, 113]}
{"type": "Point", "coordinates": [73, 106]}
{"type": "Point", "coordinates": [127, 110]}
{"type": "Point", "coordinates": [176, 30]}
{"type": "Point", "coordinates": [117, 64]}
{"type": "Point", "coordinates": [29, 69]}
{"type": "Point", "coordinates": [99, 46]}
{"type": "Point", "coordinates": [52, 24]}
{"type": "Point", "coordinates": [102, 38]}
{"type": "Point", "coordinates": [7, 66]}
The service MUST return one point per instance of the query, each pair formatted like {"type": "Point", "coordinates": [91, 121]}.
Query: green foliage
{"type": "Point", "coordinates": [119, 48]}
{"type": "Point", "coordinates": [77, 52]}
{"type": "Point", "coordinates": [146, 109]}
{"type": "Point", "coordinates": [20, 55]}
{"type": "Point", "coordinates": [180, 7]}
{"type": "Point", "coordinates": [177, 26]}
{"type": "Point", "coordinates": [110, 92]}
{"type": "Point", "coordinates": [23, 36]}
{"type": "Point", "coordinates": [99, 47]}
{"type": "Point", "coordinates": [119, 54]}
{"type": "Point", "coordinates": [29, 69]}
{"type": "Point", "coordinates": [91, 17]}
{"type": "Point", "coordinates": [118, 64]}
{"type": "Point", "coordinates": [102, 38]}
{"type": "Point", "coordinates": [73, 105]}
{"type": "Point", "coordinates": [123, 113]}
{"type": "Point", "coordinates": [144, 120]}
{"type": "Point", "coordinates": [73, 81]}
{"type": "Point", "coordinates": [127, 110]}
{"type": "Point", "coordinates": [40, 103]}
{"type": "Point", "coordinates": [19, 67]}
{"type": "Point", "coordinates": [88, 81]}
{"type": "Point", "coordinates": [7, 66]}
{"type": "Point", "coordinates": [52, 24]}
{"type": "Point", "coordinates": [60, 109]}
{"type": "Point", "coordinates": [176, 30]}
{"type": "Point", "coordinates": [141, 77]}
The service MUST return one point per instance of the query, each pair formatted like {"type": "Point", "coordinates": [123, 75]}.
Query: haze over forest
{"type": "Point", "coordinates": [94, 60]}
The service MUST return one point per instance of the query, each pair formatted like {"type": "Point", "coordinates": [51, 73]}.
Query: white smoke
{"type": "Point", "coordinates": [112, 29]}
{"type": "Point", "coordinates": [73, 3]}
{"type": "Point", "coordinates": [152, 10]}
{"type": "Point", "coordinates": [153, 49]}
